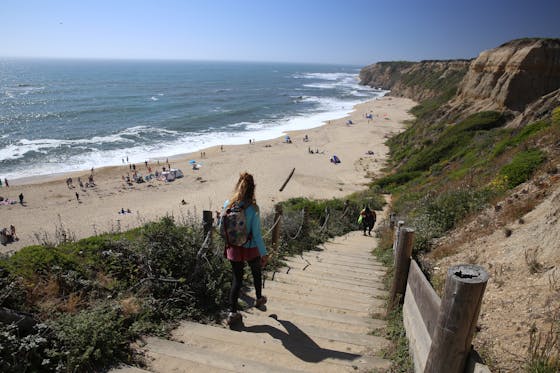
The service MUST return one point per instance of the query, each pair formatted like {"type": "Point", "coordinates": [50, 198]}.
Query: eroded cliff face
{"type": "Point", "coordinates": [518, 77]}
{"type": "Point", "coordinates": [511, 76]}
{"type": "Point", "coordinates": [416, 80]}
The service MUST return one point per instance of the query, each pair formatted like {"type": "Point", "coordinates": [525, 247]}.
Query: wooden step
{"type": "Point", "coordinates": [329, 281]}
{"type": "Point", "coordinates": [310, 313]}
{"type": "Point", "coordinates": [190, 358]}
{"type": "Point", "coordinates": [351, 293]}
{"type": "Point", "coordinates": [272, 343]}
{"type": "Point", "coordinates": [318, 319]}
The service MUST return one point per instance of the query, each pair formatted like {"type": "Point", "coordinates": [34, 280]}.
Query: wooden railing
{"type": "Point", "coordinates": [439, 331]}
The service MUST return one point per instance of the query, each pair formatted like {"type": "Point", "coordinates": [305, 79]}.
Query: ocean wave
{"type": "Point", "coordinates": [326, 76]}
{"type": "Point", "coordinates": [251, 111]}
{"type": "Point", "coordinates": [22, 90]}
{"type": "Point", "coordinates": [320, 85]}
{"type": "Point", "coordinates": [133, 135]}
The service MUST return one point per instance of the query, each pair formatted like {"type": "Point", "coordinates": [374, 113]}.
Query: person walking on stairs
{"type": "Point", "coordinates": [367, 219]}
{"type": "Point", "coordinates": [240, 226]}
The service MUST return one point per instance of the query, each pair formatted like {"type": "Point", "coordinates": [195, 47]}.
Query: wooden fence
{"type": "Point", "coordinates": [439, 331]}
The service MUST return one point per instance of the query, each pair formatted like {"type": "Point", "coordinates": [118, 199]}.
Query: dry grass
{"type": "Point", "coordinates": [514, 211]}
{"type": "Point", "coordinates": [105, 280]}
{"type": "Point", "coordinates": [554, 282]}
{"type": "Point", "coordinates": [73, 304]}
{"type": "Point", "coordinates": [386, 237]}
{"type": "Point", "coordinates": [498, 275]}
{"type": "Point", "coordinates": [532, 260]}
{"type": "Point", "coordinates": [446, 250]}
{"type": "Point", "coordinates": [543, 353]}
{"type": "Point", "coordinates": [130, 306]}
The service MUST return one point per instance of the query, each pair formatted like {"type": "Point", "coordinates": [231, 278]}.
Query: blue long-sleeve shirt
{"type": "Point", "coordinates": [253, 219]}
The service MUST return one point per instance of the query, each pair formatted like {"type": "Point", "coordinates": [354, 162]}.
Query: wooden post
{"type": "Point", "coordinates": [402, 264]}
{"type": "Point", "coordinates": [276, 228]}
{"type": "Point", "coordinates": [400, 224]}
{"type": "Point", "coordinates": [457, 318]}
{"type": "Point", "coordinates": [207, 222]}
{"type": "Point", "coordinates": [392, 218]}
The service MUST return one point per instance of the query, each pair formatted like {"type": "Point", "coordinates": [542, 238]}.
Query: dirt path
{"type": "Point", "coordinates": [320, 317]}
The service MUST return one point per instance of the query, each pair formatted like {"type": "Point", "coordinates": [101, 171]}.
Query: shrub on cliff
{"type": "Point", "coordinates": [522, 166]}
{"type": "Point", "coordinates": [438, 213]}
{"type": "Point", "coordinates": [452, 141]}
{"type": "Point", "coordinates": [556, 116]}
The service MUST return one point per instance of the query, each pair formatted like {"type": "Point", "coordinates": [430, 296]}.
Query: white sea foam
{"type": "Point", "coordinates": [324, 109]}
{"type": "Point", "coordinates": [326, 76]}
{"type": "Point", "coordinates": [20, 148]}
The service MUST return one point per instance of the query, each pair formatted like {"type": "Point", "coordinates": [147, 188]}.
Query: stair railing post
{"type": "Point", "coordinates": [276, 228]}
{"type": "Point", "coordinates": [207, 223]}
{"type": "Point", "coordinates": [403, 256]}
{"type": "Point", "coordinates": [457, 318]}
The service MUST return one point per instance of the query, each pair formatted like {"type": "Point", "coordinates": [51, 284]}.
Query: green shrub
{"type": "Point", "coordinates": [556, 116]}
{"type": "Point", "coordinates": [483, 121]}
{"type": "Point", "coordinates": [437, 214]}
{"type": "Point", "coordinates": [515, 139]}
{"type": "Point", "coordinates": [397, 179]}
{"type": "Point", "coordinates": [522, 166]}
{"type": "Point", "coordinates": [92, 338]}
{"type": "Point", "coordinates": [29, 352]}
{"type": "Point", "coordinates": [453, 140]}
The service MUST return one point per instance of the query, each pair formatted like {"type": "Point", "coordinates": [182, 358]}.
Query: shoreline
{"type": "Point", "coordinates": [63, 175]}
{"type": "Point", "coordinates": [50, 202]}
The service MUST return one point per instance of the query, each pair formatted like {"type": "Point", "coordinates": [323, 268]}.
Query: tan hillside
{"type": "Point", "coordinates": [517, 236]}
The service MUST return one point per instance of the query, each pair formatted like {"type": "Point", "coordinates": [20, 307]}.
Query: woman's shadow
{"type": "Point", "coordinates": [296, 341]}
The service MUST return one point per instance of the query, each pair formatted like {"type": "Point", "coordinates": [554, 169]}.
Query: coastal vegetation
{"type": "Point", "coordinates": [443, 172]}
{"type": "Point", "coordinates": [84, 302]}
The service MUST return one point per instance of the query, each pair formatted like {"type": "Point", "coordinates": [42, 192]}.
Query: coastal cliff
{"type": "Point", "coordinates": [511, 76]}
{"type": "Point", "coordinates": [477, 176]}
{"type": "Point", "coordinates": [416, 80]}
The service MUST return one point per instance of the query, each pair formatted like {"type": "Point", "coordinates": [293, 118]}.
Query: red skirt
{"type": "Point", "coordinates": [241, 254]}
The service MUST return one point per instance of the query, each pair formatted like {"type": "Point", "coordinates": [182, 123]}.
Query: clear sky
{"type": "Point", "coordinates": [355, 32]}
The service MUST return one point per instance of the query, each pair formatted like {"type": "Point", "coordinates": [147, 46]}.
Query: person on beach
{"type": "Point", "coordinates": [6, 183]}
{"type": "Point", "coordinates": [21, 199]}
{"type": "Point", "coordinates": [77, 196]}
{"type": "Point", "coordinates": [253, 251]}
{"type": "Point", "coordinates": [13, 233]}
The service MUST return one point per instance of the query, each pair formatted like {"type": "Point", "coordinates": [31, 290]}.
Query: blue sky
{"type": "Point", "coordinates": [326, 31]}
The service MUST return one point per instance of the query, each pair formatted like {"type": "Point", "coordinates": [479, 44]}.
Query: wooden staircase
{"type": "Point", "coordinates": [321, 316]}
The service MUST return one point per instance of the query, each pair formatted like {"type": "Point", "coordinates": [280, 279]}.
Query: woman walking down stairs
{"type": "Point", "coordinates": [319, 318]}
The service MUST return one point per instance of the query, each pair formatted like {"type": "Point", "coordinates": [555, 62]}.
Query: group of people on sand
{"type": "Point", "coordinates": [8, 235]}
{"type": "Point", "coordinates": [89, 184]}
{"type": "Point", "coordinates": [5, 183]}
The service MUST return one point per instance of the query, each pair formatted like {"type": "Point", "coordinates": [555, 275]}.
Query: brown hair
{"type": "Point", "coordinates": [244, 190]}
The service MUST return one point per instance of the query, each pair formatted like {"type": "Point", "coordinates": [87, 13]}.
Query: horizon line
{"type": "Point", "coordinates": [156, 59]}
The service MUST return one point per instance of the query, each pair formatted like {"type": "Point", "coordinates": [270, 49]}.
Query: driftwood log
{"type": "Point", "coordinates": [288, 179]}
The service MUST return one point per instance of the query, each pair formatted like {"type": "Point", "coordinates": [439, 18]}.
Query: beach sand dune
{"type": "Point", "coordinates": [51, 203]}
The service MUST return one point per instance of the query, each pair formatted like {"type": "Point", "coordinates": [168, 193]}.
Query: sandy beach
{"type": "Point", "coordinates": [49, 202]}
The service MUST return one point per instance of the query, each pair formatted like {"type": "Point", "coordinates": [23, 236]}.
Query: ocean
{"type": "Point", "coordinates": [69, 115]}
